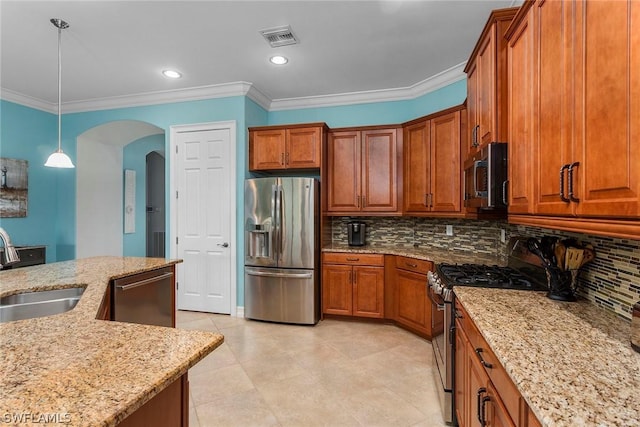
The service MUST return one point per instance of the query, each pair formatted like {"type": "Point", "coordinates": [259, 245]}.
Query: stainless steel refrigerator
{"type": "Point", "coordinates": [282, 251]}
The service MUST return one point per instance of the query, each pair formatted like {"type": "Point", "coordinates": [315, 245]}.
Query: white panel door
{"type": "Point", "coordinates": [204, 219]}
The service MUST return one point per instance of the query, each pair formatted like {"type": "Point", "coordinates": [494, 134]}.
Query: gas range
{"type": "Point", "coordinates": [487, 276]}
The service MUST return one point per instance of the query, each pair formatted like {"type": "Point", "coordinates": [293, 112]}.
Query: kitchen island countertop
{"type": "Point", "coordinates": [572, 362]}
{"type": "Point", "coordinates": [76, 368]}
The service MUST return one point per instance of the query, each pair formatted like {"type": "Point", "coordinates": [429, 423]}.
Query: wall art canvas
{"type": "Point", "coordinates": [13, 188]}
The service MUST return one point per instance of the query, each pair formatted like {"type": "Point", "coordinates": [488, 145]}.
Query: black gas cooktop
{"type": "Point", "coordinates": [487, 276]}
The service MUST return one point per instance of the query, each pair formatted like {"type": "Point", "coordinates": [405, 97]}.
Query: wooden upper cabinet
{"type": "Point", "coordinates": [487, 83]}
{"type": "Point", "coordinates": [432, 170]}
{"type": "Point", "coordinates": [520, 112]}
{"type": "Point", "coordinates": [607, 52]}
{"type": "Point", "coordinates": [581, 60]}
{"type": "Point", "coordinates": [362, 171]}
{"type": "Point", "coordinates": [267, 149]}
{"type": "Point", "coordinates": [286, 147]}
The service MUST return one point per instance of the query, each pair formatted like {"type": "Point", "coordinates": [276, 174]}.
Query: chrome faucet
{"type": "Point", "coordinates": [10, 253]}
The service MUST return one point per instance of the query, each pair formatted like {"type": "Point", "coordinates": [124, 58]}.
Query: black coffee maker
{"type": "Point", "coordinates": [356, 231]}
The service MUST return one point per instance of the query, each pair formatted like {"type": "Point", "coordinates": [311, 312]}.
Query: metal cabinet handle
{"type": "Point", "coordinates": [411, 265]}
{"type": "Point", "coordinates": [144, 282]}
{"type": "Point", "coordinates": [353, 259]}
{"type": "Point", "coordinates": [474, 139]}
{"type": "Point", "coordinates": [570, 182]}
{"type": "Point", "coordinates": [562, 197]}
{"type": "Point", "coordinates": [286, 161]}
{"type": "Point", "coordinates": [224, 245]}
{"type": "Point", "coordinates": [504, 192]}
{"type": "Point", "coordinates": [483, 414]}
{"type": "Point", "coordinates": [479, 414]}
{"type": "Point", "coordinates": [482, 361]}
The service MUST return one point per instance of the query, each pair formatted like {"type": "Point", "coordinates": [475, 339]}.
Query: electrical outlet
{"type": "Point", "coordinates": [503, 236]}
{"type": "Point", "coordinates": [449, 230]}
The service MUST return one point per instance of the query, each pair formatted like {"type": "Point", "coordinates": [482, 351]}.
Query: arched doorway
{"type": "Point", "coordinates": [102, 156]}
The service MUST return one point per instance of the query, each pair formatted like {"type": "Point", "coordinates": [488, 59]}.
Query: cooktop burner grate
{"type": "Point", "coordinates": [488, 276]}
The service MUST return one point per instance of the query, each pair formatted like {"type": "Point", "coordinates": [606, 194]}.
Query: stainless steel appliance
{"type": "Point", "coordinates": [485, 178]}
{"type": "Point", "coordinates": [282, 252]}
{"type": "Point", "coordinates": [145, 298]}
{"type": "Point", "coordinates": [523, 272]}
{"type": "Point", "coordinates": [356, 231]}
{"type": "Point", "coordinates": [635, 327]}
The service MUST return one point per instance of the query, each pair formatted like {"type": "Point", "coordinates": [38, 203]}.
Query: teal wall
{"type": "Point", "coordinates": [135, 158]}
{"type": "Point", "coordinates": [376, 113]}
{"type": "Point", "coordinates": [31, 135]}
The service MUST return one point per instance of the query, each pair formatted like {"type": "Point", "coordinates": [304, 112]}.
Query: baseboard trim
{"type": "Point", "coordinates": [240, 311]}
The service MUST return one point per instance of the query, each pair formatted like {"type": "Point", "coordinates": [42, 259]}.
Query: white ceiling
{"type": "Point", "coordinates": [115, 49]}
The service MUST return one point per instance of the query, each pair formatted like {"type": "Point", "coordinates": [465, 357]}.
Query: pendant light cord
{"type": "Point", "coordinates": [59, 89]}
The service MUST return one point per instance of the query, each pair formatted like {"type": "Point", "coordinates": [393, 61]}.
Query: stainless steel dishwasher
{"type": "Point", "coordinates": [146, 298]}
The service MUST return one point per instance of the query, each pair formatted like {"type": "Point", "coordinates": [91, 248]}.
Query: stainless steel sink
{"type": "Point", "coordinates": [38, 304]}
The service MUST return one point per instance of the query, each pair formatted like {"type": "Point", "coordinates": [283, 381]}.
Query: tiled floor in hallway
{"type": "Point", "coordinates": [336, 373]}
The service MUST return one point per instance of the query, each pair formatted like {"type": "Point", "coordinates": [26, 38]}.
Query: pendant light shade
{"type": "Point", "coordinates": [58, 159]}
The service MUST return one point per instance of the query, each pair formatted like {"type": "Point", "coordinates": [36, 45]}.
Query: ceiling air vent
{"type": "Point", "coordinates": [279, 36]}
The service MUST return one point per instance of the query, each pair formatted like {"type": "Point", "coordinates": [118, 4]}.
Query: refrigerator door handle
{"type": "Point", "coordinates": [287, 275]}
{"type": "Point", "coordinates": [280, 225]}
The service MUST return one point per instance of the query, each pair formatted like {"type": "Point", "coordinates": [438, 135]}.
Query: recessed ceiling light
{"type": "Point", "coordinates": [172, 74]}
{"type": "Point", "coordinates": [278, 60]}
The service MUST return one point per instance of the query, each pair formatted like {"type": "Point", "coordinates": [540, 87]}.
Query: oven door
{"type": "Point", "coordinates": [440, 322]}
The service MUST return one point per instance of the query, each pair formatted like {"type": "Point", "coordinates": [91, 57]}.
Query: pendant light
{"type": "Point", "coordinates": [59, 159]}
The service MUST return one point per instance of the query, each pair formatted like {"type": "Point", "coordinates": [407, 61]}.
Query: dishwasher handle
{"type": "Point", "coordinates": [145, 281]}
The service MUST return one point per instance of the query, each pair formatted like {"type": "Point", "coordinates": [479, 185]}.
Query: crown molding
{"type": "Point", "coordinates": [28, 101]}
{"type": "Point", "coordinates": [161, 97]}
{"type": "Point", "coordinates": [440, 80]}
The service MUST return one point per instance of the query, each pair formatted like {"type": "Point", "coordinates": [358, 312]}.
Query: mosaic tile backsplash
{"type": "Point", "coordinates": [612, 280]}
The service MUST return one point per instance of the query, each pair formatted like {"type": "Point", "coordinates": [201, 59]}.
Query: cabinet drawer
{"type": "Point", "coordinates": [412, 264]}
{"type": "Point", "coordinates": [353, 258]}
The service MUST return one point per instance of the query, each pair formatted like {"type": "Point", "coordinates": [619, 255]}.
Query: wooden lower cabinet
{"type": "Point", "coordinates": [412, 305]}
{"type": "Point", "coordinates": [484, 395]}
{"type": "Point", "coordinates": [169, 408]}
{"type": "Point", "coordinates": [353, 285]}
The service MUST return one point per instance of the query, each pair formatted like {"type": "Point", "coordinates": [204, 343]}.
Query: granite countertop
{"type": "Point", "coordinates": [435, 255]}
{"type": "Point", "coordinates": [572, 362]}
{"type": "Point", "coordinates": [91, 372]}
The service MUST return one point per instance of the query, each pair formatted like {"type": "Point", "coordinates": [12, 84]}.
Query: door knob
{"type": "Point", "coordinates": [224, 245]}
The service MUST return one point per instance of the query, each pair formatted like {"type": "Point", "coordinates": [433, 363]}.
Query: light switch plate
{"type": "Point", "coordinates": [449, 230]}
{"type": "Point", "coordinates": [503, 236]}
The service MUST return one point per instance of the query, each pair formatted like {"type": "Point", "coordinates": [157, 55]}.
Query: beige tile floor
{"type": "Point", "coordinates": [336, 373]}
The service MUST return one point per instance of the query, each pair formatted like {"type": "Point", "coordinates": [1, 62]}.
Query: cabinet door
{"type": "Point", "coordinates": [555, 98]}
{"type": "Point", "coordinates": [379, 171]}
{"type": "Point", "coordinates": [337, 292]}
{"type": "Point", "coordinates": [445, 171]}
{"type": "Point", "coordinates": [520, 106]}
{"type": "Point", "coordinates": [413, 307]}
{"type": "Point", "coordinates": [417, 161]}
{"type": "Point", "coordinates": [486, 61]}
{"type": "Point", "coordinates": [608, 81]}
{"type": "Point", "coordinates": [267, 149]}
{"type": "Point", "coordinates": [303, 148]}
{"type": "Point", "coordinates": [343, 172]}
{"type": "Point", "coordinates": [368, 291]}
{"type": "Point", "coordinates": [472, 140]}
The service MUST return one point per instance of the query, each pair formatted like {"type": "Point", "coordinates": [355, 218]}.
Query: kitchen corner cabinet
{"type": "Point", "coordinates": [432, 155]}
{"type": "Point", "coordinates": [362, 171]}
{"type": "Point", "coordinates": [575, 101]}
{"type": "Point", "coordinates": [286, 147]}
{"type": "Point", "coordinates": [353, 284]}
{"type": "Point", "coordinates": [483, 392]}
{"type": "Point", "coordinates": [412, 305]}
{"type": "Point", "coordinates": [487, 84]}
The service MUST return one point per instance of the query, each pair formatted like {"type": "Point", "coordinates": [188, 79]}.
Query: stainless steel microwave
{"type": "Point", "coordinates": [485, 178]}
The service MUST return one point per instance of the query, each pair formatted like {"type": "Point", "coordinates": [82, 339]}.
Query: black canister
{"type": "Point", "coordinates": [356, 232]}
